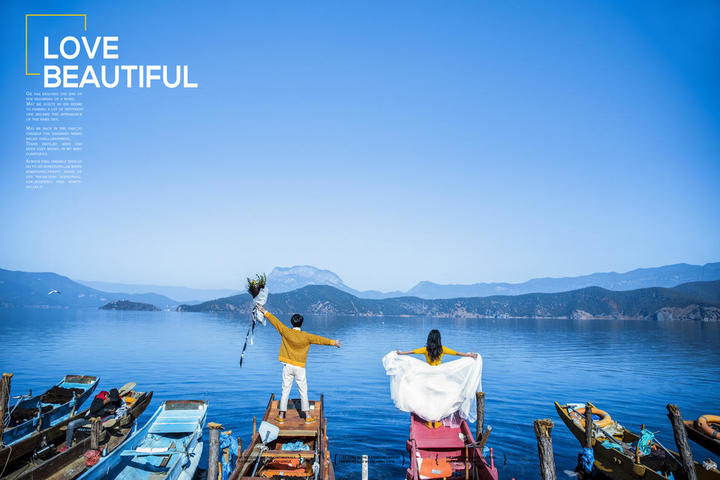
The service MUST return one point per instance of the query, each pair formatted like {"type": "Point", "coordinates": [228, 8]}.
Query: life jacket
{"type": "Point", "coordinates": [293, 472]}
{"type": "Point", "coordinates": [102, 395]}
{"type": "Point", "coordinates": [282, 462]}
{"type": "Point", "coordinates": [435, 468]}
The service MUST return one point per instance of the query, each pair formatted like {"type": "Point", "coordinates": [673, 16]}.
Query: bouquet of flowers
{"type": "Point", "coordinates": [256, 285]}
{"type": "Point", "coordinates": [256, 289]}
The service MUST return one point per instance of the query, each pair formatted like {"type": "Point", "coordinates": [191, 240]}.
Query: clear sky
{"type": "Point", "coordinates": [390, 142]}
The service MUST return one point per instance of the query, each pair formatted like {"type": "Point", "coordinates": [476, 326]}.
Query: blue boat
{"type": "Point", "coordinates": [168, 447]}
{"type": "Point", "coordinates": [35, 414]}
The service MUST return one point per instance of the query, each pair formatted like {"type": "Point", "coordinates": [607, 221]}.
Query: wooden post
{"type": "Point", "coordinates": [4, 401]}
{"type": "Point", "coordinates": [480, 425]}
{"type": "Point", "coordinates": [254, 426]}
{"type": "Point", "coordinates": [213, 455]}
{"type": "Point", "coordinates": [588, 425]}
{"type": "Point", "coordinates": [364, 467]}
{"type": "Point", "coordinates": [467, 470]}
{"type": "Point", "coordinates": [681, 440]}
{"type": "Point", "coordinates": [95, 427]}
{"type": "Point", "coordinates": [484, 438]}
{"type": "Point", "coordinates": [240, 453]}
{"type": "Point", "coordinates": [545, 451]}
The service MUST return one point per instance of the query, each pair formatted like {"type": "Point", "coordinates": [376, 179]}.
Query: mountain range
{"type": "Point", "coordinates": [32, 288]}
{"type": "Point", "coordinates": [285, 279]}
{"type": "Point", "coordinates": [21, 289]}
{"type": "Point", "coordinates": [691, 301]}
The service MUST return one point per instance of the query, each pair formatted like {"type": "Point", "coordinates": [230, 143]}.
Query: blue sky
{"type": "Point", "coordinates": [390, 142]}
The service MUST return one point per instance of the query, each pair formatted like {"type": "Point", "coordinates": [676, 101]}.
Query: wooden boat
{"type": "Point", "coordinates": [446, 452]}
{"type": "Point", "coordinates": [50, 463]}
{"type": "Point", "coordinates": [701, 437]}
{"type": "Point", "coordinates": [622, 465]}
{"type": "Point", "coordinates": [168, 447]}
{"type": "Point", "coordinates": [270, 460]}
{"type": "Point", "coordinates": [32, 419]}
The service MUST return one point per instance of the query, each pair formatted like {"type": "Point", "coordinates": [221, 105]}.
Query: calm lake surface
{"type": "Point", "coordinates": [631, 368]}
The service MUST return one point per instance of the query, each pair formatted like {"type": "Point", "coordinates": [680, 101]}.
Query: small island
{"type": "Point", "coordinates": [130, 306]}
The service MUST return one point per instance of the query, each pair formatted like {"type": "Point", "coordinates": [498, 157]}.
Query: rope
{"type": "Point", "coordinates": [7, 461]}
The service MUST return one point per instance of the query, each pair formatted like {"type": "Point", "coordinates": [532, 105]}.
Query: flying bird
{"type": "Point", "coordinates": [54, 291]}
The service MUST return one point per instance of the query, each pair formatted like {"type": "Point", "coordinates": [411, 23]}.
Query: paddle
{"type": "Point", "coordinates": [127, 388]}
{"type": "Point", "coordinates": [668, 452]}
{"type": "Point", "coordinates": [267, 432]}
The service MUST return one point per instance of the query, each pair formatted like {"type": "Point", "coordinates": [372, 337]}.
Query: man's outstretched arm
{"type": "Point", "coordinates": [279, 326]}
{"type": "Point", "coordinates": [318, 340]}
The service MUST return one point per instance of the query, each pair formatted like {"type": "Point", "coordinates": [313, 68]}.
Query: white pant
{"type": "Point", "coordinates": [298, 373]}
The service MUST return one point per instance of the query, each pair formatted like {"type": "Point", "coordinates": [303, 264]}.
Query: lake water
{"type": "Point", "coordinates": [631, 368]}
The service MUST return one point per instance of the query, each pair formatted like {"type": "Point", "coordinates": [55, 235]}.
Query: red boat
{"type": "Point", "coordinates": [446, 452]}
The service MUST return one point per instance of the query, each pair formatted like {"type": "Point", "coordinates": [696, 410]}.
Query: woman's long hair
{"type": "Point", "coordinates": [434, 345]}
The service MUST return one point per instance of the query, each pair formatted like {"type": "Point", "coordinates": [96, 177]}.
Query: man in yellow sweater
{"type": "Point", "coordinates": [293, 354]}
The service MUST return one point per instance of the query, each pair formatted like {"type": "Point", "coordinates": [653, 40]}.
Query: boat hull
{"type": "Point", "coordinates": [27, 436]}
{"type": "Point", "coordinates": [168, 447]}
{"type": "Point", "coordinates": [617, 465]}
{"type": "Point", "coordinates": [258, 462]}
{"type": "Point", "coordinates": [451, 448]}
{"type": "Point", "coordinates": [70, 464]}
{"type": "Point", "coordinates": [701, 438]}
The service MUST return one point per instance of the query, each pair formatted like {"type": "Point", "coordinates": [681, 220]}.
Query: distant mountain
{"type": "Point", "coordinates": [586, 303]}
{"type": "Point", "coordinates": [179, 294]}
{"type": "Point", "coordinates": [21, 289]}
{"type": "Point", "coordinates": [286, 279]}
{"type": "Point", "coordinates": [667, 276]}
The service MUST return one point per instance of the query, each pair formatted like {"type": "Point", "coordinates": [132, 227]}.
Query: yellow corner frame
{"type": "Point", "coordinates": [45, 15]}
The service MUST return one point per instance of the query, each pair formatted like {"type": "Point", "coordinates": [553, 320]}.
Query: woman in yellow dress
{"type": "Point", "coordinates": [434, 351]}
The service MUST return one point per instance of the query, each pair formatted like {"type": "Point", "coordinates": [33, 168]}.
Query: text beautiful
{"type": "Point", "coordinates": [141, 76]}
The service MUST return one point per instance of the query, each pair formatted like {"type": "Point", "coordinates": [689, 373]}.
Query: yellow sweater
{"type": "Point", "coordinates": [295, 343]}
{"type": "Point", "coordinates": [438, 361]}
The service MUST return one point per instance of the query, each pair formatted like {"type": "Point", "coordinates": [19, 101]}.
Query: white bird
{"type": "Point", "coordinates": [53, 291]}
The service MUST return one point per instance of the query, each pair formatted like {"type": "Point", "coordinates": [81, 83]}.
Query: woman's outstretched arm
{"type": "Point", "coordinates": [461, 354]}
{"type": "Point", "coordinates": [450, 351]}
{"type": "Point", "coordinates": [403, 353]}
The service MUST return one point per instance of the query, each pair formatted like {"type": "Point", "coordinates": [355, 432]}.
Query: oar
{"type": "Point", "coordinates": [127, 388]}
{"type": "Point", "coordinates": [668, 452]}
